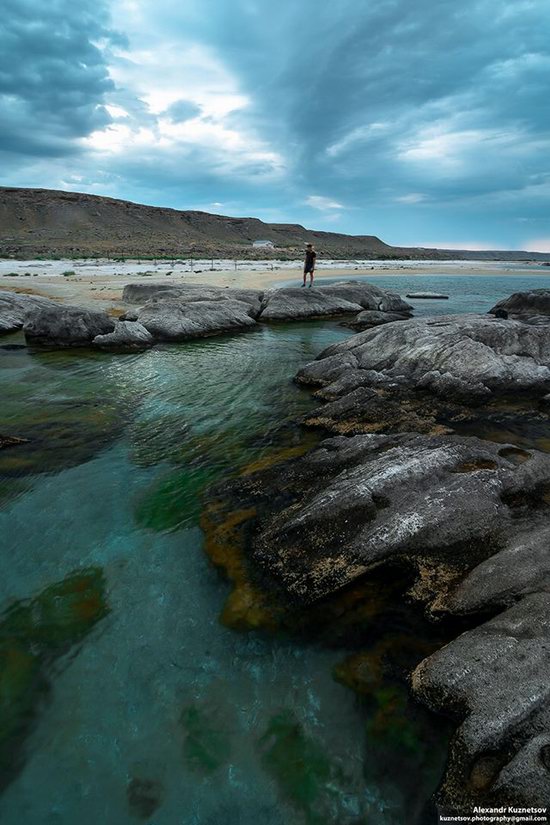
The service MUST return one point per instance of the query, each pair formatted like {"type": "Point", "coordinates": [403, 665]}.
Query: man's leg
{"type": "Point", "coordinates": [305, 273]}
{"type": "Point", "coordinates": [311, 277]}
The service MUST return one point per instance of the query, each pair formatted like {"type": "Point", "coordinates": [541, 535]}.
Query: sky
{"type": "Point", "coordinates": [424, 122]}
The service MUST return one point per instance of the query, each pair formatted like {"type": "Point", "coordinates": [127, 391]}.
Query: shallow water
{"type": "Point", "coordinates": [131, 701]}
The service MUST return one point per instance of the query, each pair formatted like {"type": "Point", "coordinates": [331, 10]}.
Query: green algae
{"type": "Point", "coordinates": [207, 745]}
{"type": "Point", "coordinates": [34, 633]}
{"type": "Point", "coordinates": [174, 501]}
{"type": "Point", "coordinates": [306, 777]}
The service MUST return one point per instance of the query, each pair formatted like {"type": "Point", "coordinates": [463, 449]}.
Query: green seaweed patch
{"type": "Point", "coordinates": [33, 634]}
{"type": "Point", "coordinates": [174, 501]}
{"type": "Point", "coordinates": [207, 744]}
{"type": "Point", "coordinates": [305, 775]}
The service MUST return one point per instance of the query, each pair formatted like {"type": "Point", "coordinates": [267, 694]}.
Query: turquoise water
{"type": "Point", "coordinates": [123, 698]}
{"type": "Point", "coordinates": [467, 293]}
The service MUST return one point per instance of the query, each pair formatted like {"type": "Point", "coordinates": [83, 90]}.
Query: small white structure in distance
{"type": "Point", "coordinates": [263, 244]}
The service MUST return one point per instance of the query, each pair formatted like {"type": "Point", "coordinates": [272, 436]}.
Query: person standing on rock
{"type": "Point", "coordinates": [309, 264]}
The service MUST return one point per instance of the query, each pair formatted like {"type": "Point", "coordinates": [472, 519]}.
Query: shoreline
{"type": "Point", "coordinates": [105, 290]}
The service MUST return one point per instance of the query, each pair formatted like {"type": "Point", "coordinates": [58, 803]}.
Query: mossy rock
{"type": "Point", "coordinates": [207, 745]}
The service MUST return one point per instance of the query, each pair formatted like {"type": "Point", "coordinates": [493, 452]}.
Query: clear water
{"type": "Point", "coordinates": [157, 696]}
{"type": "Point", "coordinates": [151, 710]}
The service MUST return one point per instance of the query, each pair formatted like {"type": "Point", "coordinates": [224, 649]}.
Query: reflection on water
{"type": "Point", "coordinates": [152, 710]}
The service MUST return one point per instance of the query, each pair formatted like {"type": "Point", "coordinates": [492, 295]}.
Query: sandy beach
{"type": "Point", "coordinates": [103, 287]}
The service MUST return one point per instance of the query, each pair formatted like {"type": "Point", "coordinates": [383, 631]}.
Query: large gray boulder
{"type": "Point", "coordinates": [469, 356]}
{"type": "Point", "coordinates": [370, 318]}
{"type": "Point", "coordinates": [293, 303]}
{"type": "Point", "coordinates": [355, 503]}
{"type": "Point", "coordinates": [169, 319]}
{"type": "Point", "coordinates": [14, 308]}
{"type": "Point", "coordinates": [526, 306]}
{"type": "Point", "coordinates": [127, 336]}
{"type": "Point", "coordinates": [60, 326]}
{"type": "Point", "coordinates": [369, 296]}
{"type": "Point", "coordinates": [189, 292]}
{"type": "Point", "coordinates": [496, 679]}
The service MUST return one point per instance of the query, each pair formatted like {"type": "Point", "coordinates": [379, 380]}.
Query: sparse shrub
{"type": "Point", "coordinates": [68, 273]}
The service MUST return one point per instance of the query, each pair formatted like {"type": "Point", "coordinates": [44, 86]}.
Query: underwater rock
{"type": "Point", "coordinates": [14, 308]}
{"type": "Point", "coordinates": [496, 678]}
{"type": "Point", "coordinates": [526, 306]}
{"type": "Point", "coordinates": [34, 634]}
{"type": "Point", "coordinates": [292, 303]}
{"type": "Point", "coordinates": [126, 336]}
{"type": "Point", "coordinates": [60, 326]}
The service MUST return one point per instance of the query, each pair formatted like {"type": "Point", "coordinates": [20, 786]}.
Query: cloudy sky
{"type": "Point", "coordinates": [425, 122]}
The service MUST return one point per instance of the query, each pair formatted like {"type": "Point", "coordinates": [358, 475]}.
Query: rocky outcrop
{"type": "Point", "coordinates": [355, 503]}
{"type": "Point", "coordinates": [170, 319]}
{"type": "Point", "coordinates": [469, 357]}
{"type": "Point", "coordinates": [126, 337]}
{"type": "Point", "coordinates": [496, 679]}
{"type": "Point", "coordinates": [189, 292]}
{"type": "Point", "coordinates": [369, 296]}
{"type": "Point", "coordinates": [293, 303]}
{"type": "Point", "coordinates": [530, 307]}
{"type": "Point", "coordinates": [59, 326]}
{"type": "Point", "coordinates": [374, 318]}
{"type": "Point", "coordinates": [14, 308]}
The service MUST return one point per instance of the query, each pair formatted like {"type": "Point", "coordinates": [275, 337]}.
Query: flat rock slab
{"type": "Point", "coordinates": [60, 326]}
{"type": "Point", "coordinates": [14, 308]}
{"type": "Point", "coordinates": [355, 503]}
{"type": "Point", "coordinates": [470, 356]}
{"type": "Point", "coordinates": [427, 295]}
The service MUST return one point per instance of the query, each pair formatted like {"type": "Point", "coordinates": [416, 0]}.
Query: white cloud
{"type": "Point", "coordinates": [538, 245]}
{"type": "Point", "coordinates": [322, 203]}
{"type": "Point", "coordinates": [412, 197]}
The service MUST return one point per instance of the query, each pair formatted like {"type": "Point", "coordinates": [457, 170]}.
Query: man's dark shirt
{"type": "Point", "coordinates": [309, 263]}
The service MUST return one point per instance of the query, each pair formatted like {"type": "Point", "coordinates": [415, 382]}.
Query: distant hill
{"type": "Point", "coordinates": [52, 223]}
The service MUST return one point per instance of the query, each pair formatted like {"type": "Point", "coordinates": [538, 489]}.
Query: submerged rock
{"type": "Point", "coordinates": [14, 308]}
{"type": "Point", "coordinates": [59, 326]}
{"type": "Point", "coordinates": [126, 336]}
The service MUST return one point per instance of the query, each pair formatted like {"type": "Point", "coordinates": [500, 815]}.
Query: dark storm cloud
{"type": "Point", "coordinates": [53, 74]}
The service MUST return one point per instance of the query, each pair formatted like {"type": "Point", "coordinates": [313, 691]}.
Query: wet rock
{"type": "Point", "coordinates": [11, 441]}
{"type": "Point", "coordinates": [127, 336]}
{"type": "Point", "coordinates": [59, 326]}
{"type": "Point", "coordinates": [14, 308]}
{"type": "Point", "coordinates": [144, 797]}
{"type": "Point", "coordinates": [293, 303]}
{"type": "Point", "coordinates": [496, 678]}
{"type": "Point", "coordinates": [524, 305]}
{"type": "Point", "coordinates": [374, 318]}
{"type": "Point", "coordinates": [169, 319]}
{"type": "Point", "coordinates": [354, 503]}
{"type": "Point", "coordinates": [469, 356]}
